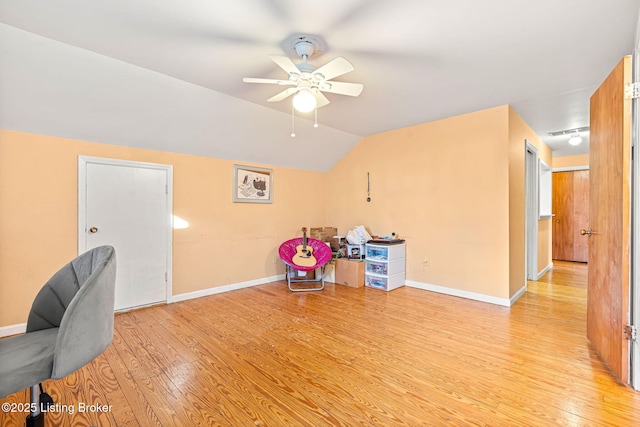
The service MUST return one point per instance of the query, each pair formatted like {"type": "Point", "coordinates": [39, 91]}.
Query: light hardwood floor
{"type": "Point", "coordinates": [264, 356]}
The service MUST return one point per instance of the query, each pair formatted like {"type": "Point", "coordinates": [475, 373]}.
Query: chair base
{"type": "Point", "coordinates": [290, 281]}
{"type": "Point", "coordinates": [35, 421]}
{"type": "Point", "coordinates": [39, 399]}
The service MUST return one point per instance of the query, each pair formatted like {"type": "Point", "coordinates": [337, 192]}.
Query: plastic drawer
{"type": "Point", "coordinates": [383, 282]}
{"type": "Point", "coordinates": [386, 268]}
{"type": "Point", "coordinates": [384, 252]}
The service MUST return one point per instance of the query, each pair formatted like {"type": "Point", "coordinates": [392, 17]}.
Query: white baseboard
{"type": "Point", "coordinates": [21, 328]}
{"type": "Point", "coordinates": [458, 293]}
{"type": "Point", "coordinates": [544, 270]}
{"type": "Point", "coordinates": [224, 288]}
{"type": "Point", "coordinates": [7, 331]}
{"type": "Point", "coordinates": [517, 295]}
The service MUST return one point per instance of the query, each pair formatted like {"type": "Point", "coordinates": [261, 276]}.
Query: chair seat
{"type": "Point", "coordinates": [26, 360]}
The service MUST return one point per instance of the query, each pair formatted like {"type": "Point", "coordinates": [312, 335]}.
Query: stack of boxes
{"type": "Point", "coordinates": [346, 268]}
{"type": "Point", "coordinates": [383, 266]}
{"type": "Point", "coordinates": [324, 234]}
{"type": "Point", "coordinates": [327, 235]}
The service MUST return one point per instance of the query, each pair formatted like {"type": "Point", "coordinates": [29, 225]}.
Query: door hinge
{"type": "Point", "coordinates": [632, 90]}
{"type": "Point", "coordinates": [630, 333]}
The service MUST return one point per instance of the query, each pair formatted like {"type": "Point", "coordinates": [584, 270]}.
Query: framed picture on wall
{"type": "Point", "coordinates": [252, 184]}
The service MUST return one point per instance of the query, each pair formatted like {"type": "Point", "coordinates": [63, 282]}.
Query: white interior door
{"type": "Point", "coordinates": [127, 205]}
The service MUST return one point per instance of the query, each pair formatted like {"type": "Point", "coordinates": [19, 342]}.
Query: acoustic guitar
{"type": "Point", "coordinates": [304, 253]}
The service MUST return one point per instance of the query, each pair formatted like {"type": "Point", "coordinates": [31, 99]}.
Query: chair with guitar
{"type": "Point", "coordinates": [304, 254]}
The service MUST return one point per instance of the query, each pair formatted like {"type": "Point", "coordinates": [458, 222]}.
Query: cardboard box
{"type": "Point", "coordinates": [336, 243]}
{"type": "Point", "coordinates": [323, 233]}
{"type": "Point", "coordinates": [355, 251]}
{"type": "Point", "coordinates": [349, 273]}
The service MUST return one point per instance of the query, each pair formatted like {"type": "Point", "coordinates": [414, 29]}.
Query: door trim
{"type": "Point", "coordinates": [531, 212]}
{"type": "Point", "coordinates": [83, 161]}
{"type": "Point", "coordinates": [634, 291]}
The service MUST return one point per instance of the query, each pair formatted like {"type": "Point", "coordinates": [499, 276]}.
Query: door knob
{"type": "Point", "coordinates": [93, 229]}
{"type": "Point", "coordinates": [587, 232]}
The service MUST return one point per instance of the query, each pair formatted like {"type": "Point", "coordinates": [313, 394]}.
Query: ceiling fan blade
{"type": "Point", "coordinates": [334, 68]}
{"type": "Point", "coordinates": [272, 81]}
{"type": "Point", "coordinates": [321, 100]}
{"type": "Point", "coordinates": [282, 95]}
{"type": "Point", "coordinates": [285, 63]}
{"type": "Point", "coordinates": [342, 88]}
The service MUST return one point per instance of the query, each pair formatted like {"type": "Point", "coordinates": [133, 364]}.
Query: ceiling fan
{"type": "Point", "coordinates": [307, 81]}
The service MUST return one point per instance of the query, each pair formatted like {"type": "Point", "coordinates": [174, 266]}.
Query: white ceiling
{"type": "Point", "coordinates": [167, 74]}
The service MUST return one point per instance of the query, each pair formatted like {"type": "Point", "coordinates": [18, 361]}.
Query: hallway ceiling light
{"type": "Point", "coordinates": [575, 139]}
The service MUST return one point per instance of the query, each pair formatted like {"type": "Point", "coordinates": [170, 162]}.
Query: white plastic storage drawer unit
{"type": "Point", "coordinates": [385, 266]}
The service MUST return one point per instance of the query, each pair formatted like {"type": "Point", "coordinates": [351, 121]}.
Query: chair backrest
{"type": "Point", "coordinates": [321, 252]}
{"type": "Point", "coordinates": [79, 300]}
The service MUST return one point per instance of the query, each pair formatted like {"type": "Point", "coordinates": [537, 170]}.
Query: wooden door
{"type": "Point", "coordinates": [609, 217]}
{"type": "Point", "coordinates": [562, 202]}
{"type": "Point", "coordinates": [580, 215]}
{"type": "Point", "coordinates": [571, 209]}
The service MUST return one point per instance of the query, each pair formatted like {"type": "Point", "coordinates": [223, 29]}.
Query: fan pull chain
{"type": "Point", "coordinates": [293, 121]}
{"type": "Point", "coordinates": [315, 124]}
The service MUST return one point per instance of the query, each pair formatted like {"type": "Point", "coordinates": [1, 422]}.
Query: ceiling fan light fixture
{"type": "Point", "coordinates": [575, 139]}
{"type": "Point", "coordinates": [304, 101]}
{"type": "Point", "coordinates": [308, 83]}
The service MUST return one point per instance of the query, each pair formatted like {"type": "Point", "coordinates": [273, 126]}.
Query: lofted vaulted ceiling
{"type": "Point", "coordinates": [167, 74]}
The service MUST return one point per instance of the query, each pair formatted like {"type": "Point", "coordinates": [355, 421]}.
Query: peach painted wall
{"type": "Point", "coordinates": [519, 131]}
{"type": "Point", "coordinates": [38, 217]}
{"type": "Point", "coordinates": [571, 161]}
{"type": "Point", "coordinates": [452, 188]}
{"type": "Point", "coordinates": [444, 187]}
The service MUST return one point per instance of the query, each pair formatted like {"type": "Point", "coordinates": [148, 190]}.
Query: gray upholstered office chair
{"type": "Point", "coordinates": [70, 324]}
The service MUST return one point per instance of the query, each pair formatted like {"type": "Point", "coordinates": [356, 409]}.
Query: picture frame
{"type": "Point", "coordinates": [252, 184]}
